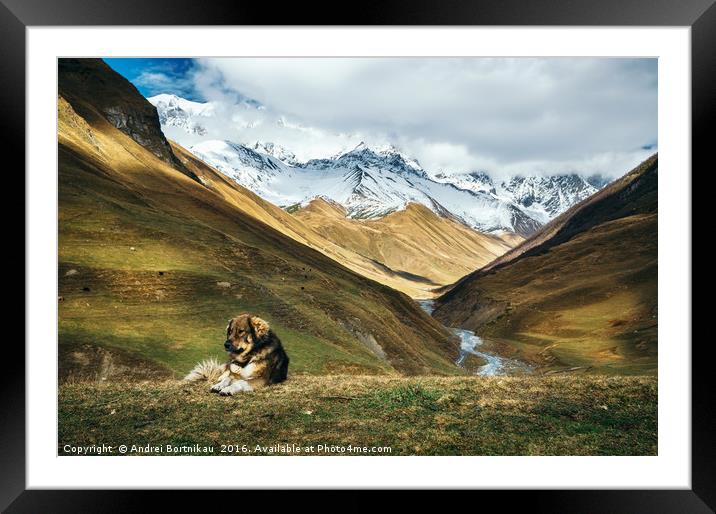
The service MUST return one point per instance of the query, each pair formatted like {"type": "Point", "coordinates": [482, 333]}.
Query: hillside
{"type": "Point", "coordinates": [581, 292]}
{"type": "Point", "coordinates": [158, 250]}
{"type": "Point", "coordinates": [413, 241]}
{"type": "Point", "coordinates": [354, 257]}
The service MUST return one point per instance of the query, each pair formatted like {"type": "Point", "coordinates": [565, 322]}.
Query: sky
{"type": "Point", "coordinates": [505, 116]}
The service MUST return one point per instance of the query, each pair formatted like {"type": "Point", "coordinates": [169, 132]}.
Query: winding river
{"type": "Point", "coordinates": [471, 343]}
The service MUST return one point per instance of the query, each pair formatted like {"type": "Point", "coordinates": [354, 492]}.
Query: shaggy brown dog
{"type": "Point", "coordinates": [256, 358]}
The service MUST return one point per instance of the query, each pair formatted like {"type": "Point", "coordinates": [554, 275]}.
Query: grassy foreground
{"type": "Point", "coordinates": [529, 415]}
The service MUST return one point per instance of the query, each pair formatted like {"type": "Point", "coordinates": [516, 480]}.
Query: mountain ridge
{"type": "Point", "coordinates": [517, 204]}
{"type": "Point", "coordinates": [368, 184]}
{"type": "Point", "coordinates": [413, 241]}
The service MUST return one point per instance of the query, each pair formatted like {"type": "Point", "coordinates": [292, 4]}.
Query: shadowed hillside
{"type": "Point", "coordinates": [581, 292]}
{"type": "Point", "coordinates": [157, 251]}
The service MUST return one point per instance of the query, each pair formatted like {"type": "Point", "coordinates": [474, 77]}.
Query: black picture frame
{"type": "Point", "coordinates": [700, 15]}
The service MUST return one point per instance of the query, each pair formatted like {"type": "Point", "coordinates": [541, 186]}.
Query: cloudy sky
{"type": "Point", "coordinates": [504, 116]}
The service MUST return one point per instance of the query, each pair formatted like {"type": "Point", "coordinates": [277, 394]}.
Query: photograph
{"type": "Point", "coordinates": [357, 256]}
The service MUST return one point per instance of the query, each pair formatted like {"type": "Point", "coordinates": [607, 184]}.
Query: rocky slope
{"type": "Point", "coordinates": [83, 83]}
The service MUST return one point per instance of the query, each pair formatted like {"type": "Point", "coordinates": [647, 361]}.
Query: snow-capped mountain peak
{"type": "Point", "coordinates": [171, 100]}
{"type": "Point", "coordinates": [190, 116]}
{"type": "Point", "coordinates": [367, 184]}
{"type": "Point", "coordinates": [277, 151]}
{"type": "Point", "coordinates": [175, 111]}
{"type": "Point", "coordinates": [362, 155]}
{"type": "Point", "coordinates": [372, 181]}
{"type": "Point", "coordinates": [360, 147]}
{"type": "Point", "coordinates": [545, 197]}
{"type": "Point", "coordinates": [473, 181]}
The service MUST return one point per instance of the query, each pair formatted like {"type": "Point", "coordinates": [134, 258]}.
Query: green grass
{"type": "Point", "coordinates": [557, 415]}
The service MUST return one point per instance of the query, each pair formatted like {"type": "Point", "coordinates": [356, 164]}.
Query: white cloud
{"type": "Point", "coordinates": [501, 115]}
{"type": "Point", "coordinates": [159, 82]}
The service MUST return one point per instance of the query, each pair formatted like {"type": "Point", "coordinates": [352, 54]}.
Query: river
{"type": "Point", "coordinates": [471, 343]}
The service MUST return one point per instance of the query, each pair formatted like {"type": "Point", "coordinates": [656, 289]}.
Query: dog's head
{"type": "Point", "coordinates": [244, 335]}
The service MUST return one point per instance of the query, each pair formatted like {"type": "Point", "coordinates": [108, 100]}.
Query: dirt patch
{"type": "Point", "coordinates": [89, 363]}
{"type": "Point", "coordinates": [366, 338]}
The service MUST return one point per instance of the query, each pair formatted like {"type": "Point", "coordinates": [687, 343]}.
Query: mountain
{"type": "Point", "coordinates": [179, 115]}
{"type": "Point", "coordinates": [175, 111]}
{"type": "Point", "coordinates": [157, 250]}
{"type": "Point", "coordinates": [115, 102]}
{"type": "Point", "coordinates": [367, 183]}
{"type": "Point", "coordinates": [544, 198]}
{"type": "Point", "coordinates": [519, 204]}
{"type": "Point", "coordinates": [414, 241]}
{"type": "Point", "coordinates": [328, 229]}
{"type": "Point", "coordinates": [277, 152]}
{"type": "Point", "coordinates": [386, 157]}
{"type": "Point", "coordinates": [581, 292]}
{"type": "Point", "coordinates": [372, 182]}
{"type": "Point", "coordinates": [404, 280]}
{"type": "Point", "coordinates": [541, 197]}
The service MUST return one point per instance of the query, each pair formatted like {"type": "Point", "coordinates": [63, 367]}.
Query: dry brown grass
{"type": "Point", "coordinates": [414, 241]}
{"type": "Point", "coordinates": [558, 415]}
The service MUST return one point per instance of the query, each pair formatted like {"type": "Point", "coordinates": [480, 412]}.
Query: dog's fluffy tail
{"type": "Point", "coordinates": [208, 369]}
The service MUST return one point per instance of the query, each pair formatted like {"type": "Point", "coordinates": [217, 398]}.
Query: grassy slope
{"type": "Point", "coordinates": [560, 415]}
{"type": "Point", "coordinates": [309, 234]}
{"type": "Point", "coordinates": [414, 240]}
{"type": "Point", "coordinates": [582, 292]}
{"type": "Point", "coordinates": [197, 260]}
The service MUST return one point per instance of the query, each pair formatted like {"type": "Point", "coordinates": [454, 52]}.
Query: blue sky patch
{"type": "Point", "coordinates": [152, 76]}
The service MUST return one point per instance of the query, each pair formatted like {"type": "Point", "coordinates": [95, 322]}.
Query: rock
{"type": "Point", "coordinates": [223, 285]}
{"type": "Point", "coordinates": [71, 272]}
{"type": "Point", "coordinates": [119, 102]}
{"type": "Point", "coordinates": [131, 249]}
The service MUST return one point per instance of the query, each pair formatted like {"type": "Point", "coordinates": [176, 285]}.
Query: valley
{"type": "Point", "coordinates": [431, 310]}
{"type": "Point", "coordinates": [124, 186]}
{"type": "Point", "coordinates": [579, 294]}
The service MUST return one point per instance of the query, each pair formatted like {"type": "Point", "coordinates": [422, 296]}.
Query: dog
{"type": "Point", "coordinates": [256, 358]}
